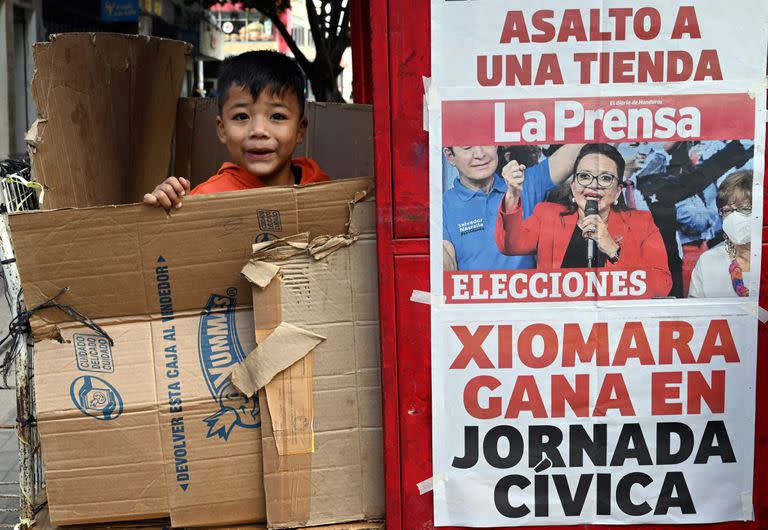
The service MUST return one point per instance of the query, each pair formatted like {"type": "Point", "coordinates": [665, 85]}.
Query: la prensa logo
{"type": "Point", "coordinates": [220, 351]}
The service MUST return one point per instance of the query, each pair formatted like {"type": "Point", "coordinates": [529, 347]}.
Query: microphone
{"type": "Point", "coordinates": [590, 208]}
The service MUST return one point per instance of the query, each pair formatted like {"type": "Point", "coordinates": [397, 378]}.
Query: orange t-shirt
{"type": "Point", "coordinates": [232, 177]}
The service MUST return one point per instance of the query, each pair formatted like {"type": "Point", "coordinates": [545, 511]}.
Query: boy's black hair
{"type": "Point", "coordinates": [261, 70]}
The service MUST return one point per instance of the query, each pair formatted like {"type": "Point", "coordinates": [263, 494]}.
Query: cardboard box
{"type": "Point", "coordinates": [150, 426]}
{"type": "Point", "coordinates": [198, 151]}
{"type": "Point", "coordinates": [321, 433]}
{"type": "Point", "coordinates": [339, 138]}
{"type": "Point", "coordinates": [106, 104]}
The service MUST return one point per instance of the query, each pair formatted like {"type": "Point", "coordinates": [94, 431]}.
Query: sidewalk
{"type": "Point", "coordinates": [9, 459]}
{"type": "Point", "coordinates": [9, 451]}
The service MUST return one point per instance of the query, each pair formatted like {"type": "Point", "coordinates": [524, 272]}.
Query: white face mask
{"type": "Point", "coordinates": [738, 228]}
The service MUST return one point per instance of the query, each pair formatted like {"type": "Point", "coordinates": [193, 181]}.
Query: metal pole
{"type": "Point", "coordinates": [23, 354]}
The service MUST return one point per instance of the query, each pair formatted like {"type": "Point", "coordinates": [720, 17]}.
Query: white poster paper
{"type": "Point", "coordinates": [596, 177]}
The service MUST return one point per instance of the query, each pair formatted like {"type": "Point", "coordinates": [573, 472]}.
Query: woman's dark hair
{"type": "Point", "coordinates": [605, 150]}
{"type": "Point", "coordinates": [564, 195]}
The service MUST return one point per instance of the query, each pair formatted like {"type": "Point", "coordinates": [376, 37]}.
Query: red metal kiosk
{"type": "Point", "coordinates": [392, 49]}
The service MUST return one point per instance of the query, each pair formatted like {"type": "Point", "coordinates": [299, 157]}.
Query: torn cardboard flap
{"type": "Point", "coordinates": [322, 246]}
{"type": "Point", "coordinates": [281, 248]}
{"type": "Point", "coordinates": [286, 345]}
{"type": "Point", "coordinates": [259, 273]}
{"type": "Point", "coordinates": [261, 270]}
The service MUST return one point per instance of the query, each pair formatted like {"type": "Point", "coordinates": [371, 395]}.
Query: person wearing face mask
{"type": "Point", "coordinates": [724, 270]}
{"type": "Point", "coordinates": [593, 208]}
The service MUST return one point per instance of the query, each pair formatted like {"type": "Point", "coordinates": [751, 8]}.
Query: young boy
{"type": "Point", "coordinates": [261, 121]}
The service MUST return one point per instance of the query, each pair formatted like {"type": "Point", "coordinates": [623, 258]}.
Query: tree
{"type": "Point", "coordinates": [329, 25]}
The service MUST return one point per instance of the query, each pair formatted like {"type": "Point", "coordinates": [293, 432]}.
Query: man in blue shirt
{"type": "Point", "coordinates": [470, 207]}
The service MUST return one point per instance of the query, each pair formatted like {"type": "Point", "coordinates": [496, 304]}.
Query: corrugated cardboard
{"type": "Point", "coordinates": [151, 426]}
{"type": "Point", "coordinates": [106, 104]}
{"type": "Point", "coordinates": [339, 138]}
{"type": "Point", "coordinates": [198, 151]}
{"type": "Point", "coordinates": [321, 430]}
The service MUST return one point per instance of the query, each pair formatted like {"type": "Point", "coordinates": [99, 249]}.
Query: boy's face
{"type": "Point", "coordinates": [261, 134]}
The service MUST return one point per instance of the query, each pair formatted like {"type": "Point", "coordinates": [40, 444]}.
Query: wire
{"type": "Point", "coordinates": [19, 327]}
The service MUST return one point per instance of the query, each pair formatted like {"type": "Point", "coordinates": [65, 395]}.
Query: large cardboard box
{"type": "Point", "coordinates": [321, 432]}
{"type": "Point", "coordinates": [150, 426]}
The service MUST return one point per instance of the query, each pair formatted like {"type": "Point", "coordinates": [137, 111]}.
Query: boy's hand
{"type": "Point", "coordinates": [169, 193]}
{"type": "Point", "coordinates": [513, 174]}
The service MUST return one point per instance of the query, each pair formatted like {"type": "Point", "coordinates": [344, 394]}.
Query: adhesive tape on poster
{"type": "Point", "coordinates": [747, 510]}
{"type": "Point", "coordinates": [756, 311]}
{"type": "Point", "coordinates": [758, 87]}
{"type": "Point", "coordinates": [428, 485]}
{"type": "Point", "coordinates": [427, 84]}
{"type": "Point", "coordinates": [423, 297]}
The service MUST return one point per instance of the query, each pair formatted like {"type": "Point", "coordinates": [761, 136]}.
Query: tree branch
{"type": "Point", "coordinates": [288, 38]}
{"type": "Point", "coordinates": [342, 40]}
{"type": "Point", "coordinates": [316, 25]}
{"type": "Point", "coordinates": [336, 10]}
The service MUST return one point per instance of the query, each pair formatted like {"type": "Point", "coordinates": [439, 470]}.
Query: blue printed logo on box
{"type": "Point", "coordinates": [220, 351]}
{"type": "Point", "coordinates": [96, 398]}
{"type": "Point", "coordinates": [93, 353]}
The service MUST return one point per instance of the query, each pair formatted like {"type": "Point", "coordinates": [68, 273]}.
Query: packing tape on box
{"type": "Point", "coordinates": [424, 297]}
{"type": "Point", "coordinates": [428, 485]}
{"type": "Point", "coordinates": [282, 348]}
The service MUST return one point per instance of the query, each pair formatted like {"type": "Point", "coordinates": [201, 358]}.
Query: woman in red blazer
{"type": "Point", "coordinates": [624, 239]}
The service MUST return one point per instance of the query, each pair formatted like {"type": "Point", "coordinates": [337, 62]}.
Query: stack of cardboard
{"type": "Point", "coordinates": [321, 430]}
{"type": "Point", "coordinates": [137, 413]}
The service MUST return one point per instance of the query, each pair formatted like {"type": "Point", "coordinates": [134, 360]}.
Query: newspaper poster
{"type": "Point", "coordinates": [596, 181]}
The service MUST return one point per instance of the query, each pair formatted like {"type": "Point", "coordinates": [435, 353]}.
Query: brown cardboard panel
{"type": "Point", "coordinates": [342, 479]}
{"type": "Point", "coordinates": [192, 452]}
{"type": "Point", "coordinates": [82, 454]}
{"type": "Point", "coordinates": [210, 433]}
{"type": "Point", "coordinates": [339, 137]}
{"type": "Point", "coordinates": [199, 153]}
{"type": "Point", "coordinates": [151, 426]}
{"type": "Point", "coordinates": [290, 401]}
{"type": "Point", "coordinates": [108, 257]}
{"type": "Point", "coordinates": [106, 104]}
